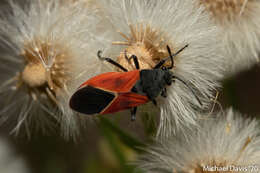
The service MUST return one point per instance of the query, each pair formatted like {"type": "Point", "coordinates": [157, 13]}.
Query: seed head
{"type": "Point", "coordinates": [238, 27]}
{"type": "Point", "coordinates": [46, 44]}
{"type": "Point", "coordinates": [227, 141]}
{"type": "Point", "coordinates": [143, 29]}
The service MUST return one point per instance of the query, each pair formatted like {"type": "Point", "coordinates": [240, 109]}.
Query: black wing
{"type": "Point", "coordinates": [90, 100]}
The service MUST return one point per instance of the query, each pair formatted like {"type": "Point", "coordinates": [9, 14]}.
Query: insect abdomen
{"type": "Point", "coordinates": [90, 100]}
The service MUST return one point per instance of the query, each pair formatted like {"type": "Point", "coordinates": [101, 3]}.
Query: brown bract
{"type": "Point", "coordinates": [146, 43]}
{"type": "Point", "coordinates": [46, 68]}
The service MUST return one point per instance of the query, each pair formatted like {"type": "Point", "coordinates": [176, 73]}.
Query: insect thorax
{"type": "Point", "coordinates": [152, 82]}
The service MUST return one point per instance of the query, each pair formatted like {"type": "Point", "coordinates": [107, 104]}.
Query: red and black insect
{"type": "Point", "coordinates": [115, 91]}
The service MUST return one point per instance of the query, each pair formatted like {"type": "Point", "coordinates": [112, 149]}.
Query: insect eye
{"type": "Point", "coordinates": [164, 68]}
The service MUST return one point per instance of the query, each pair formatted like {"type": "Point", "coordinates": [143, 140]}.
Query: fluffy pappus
{"type": "Point", "coordinates": [238, 26]}
{"type": "Point", "coordinates": [45, 60]}
{"type": "Point", "coordinates": [145, 28]}
{"type": "Point", "coordinates": [228, 139]}
{"type": "Point", "coordinates": [87, 3]}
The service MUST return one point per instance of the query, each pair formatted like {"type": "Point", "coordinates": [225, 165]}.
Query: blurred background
{"type": "Point", "coordinates": [111, 143]}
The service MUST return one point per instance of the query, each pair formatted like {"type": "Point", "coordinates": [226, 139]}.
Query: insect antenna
{"type": "Point", "coordinates": [110, 61]}
{"type": "Point", "coordinates": [175, 77]}
{"type": "Point", "coordinates": [170, 53]}
{"type": "Point", "coordinates": [171, 56]}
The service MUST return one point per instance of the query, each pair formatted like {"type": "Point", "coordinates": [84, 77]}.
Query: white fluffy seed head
{"type": "Point", "coordinates": [144, 28]}
{"type": "Point", "coordinates": [50, 49]}
{"type": "Point", "coordinates": [225, 140]}
{"type": "Point", "coordinates": [238, 26]}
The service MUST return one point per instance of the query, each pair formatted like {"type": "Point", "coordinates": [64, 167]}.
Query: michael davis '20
{"type": "Point", "coordinates": [116, 91]}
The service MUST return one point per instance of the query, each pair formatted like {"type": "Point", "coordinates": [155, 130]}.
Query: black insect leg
{"type": "Point", "coordinates": [171, 56]}
{"type": "Point", "coordinates": [154, 102]}
{"type": "Point", "coordinates": [137, 66]}
{"type": "Point", "coordinates": [164, 93]}
{"type": "Point", "coordinates": [133, 113]}
{"type": "Point", "coordinates": [110, 61]}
